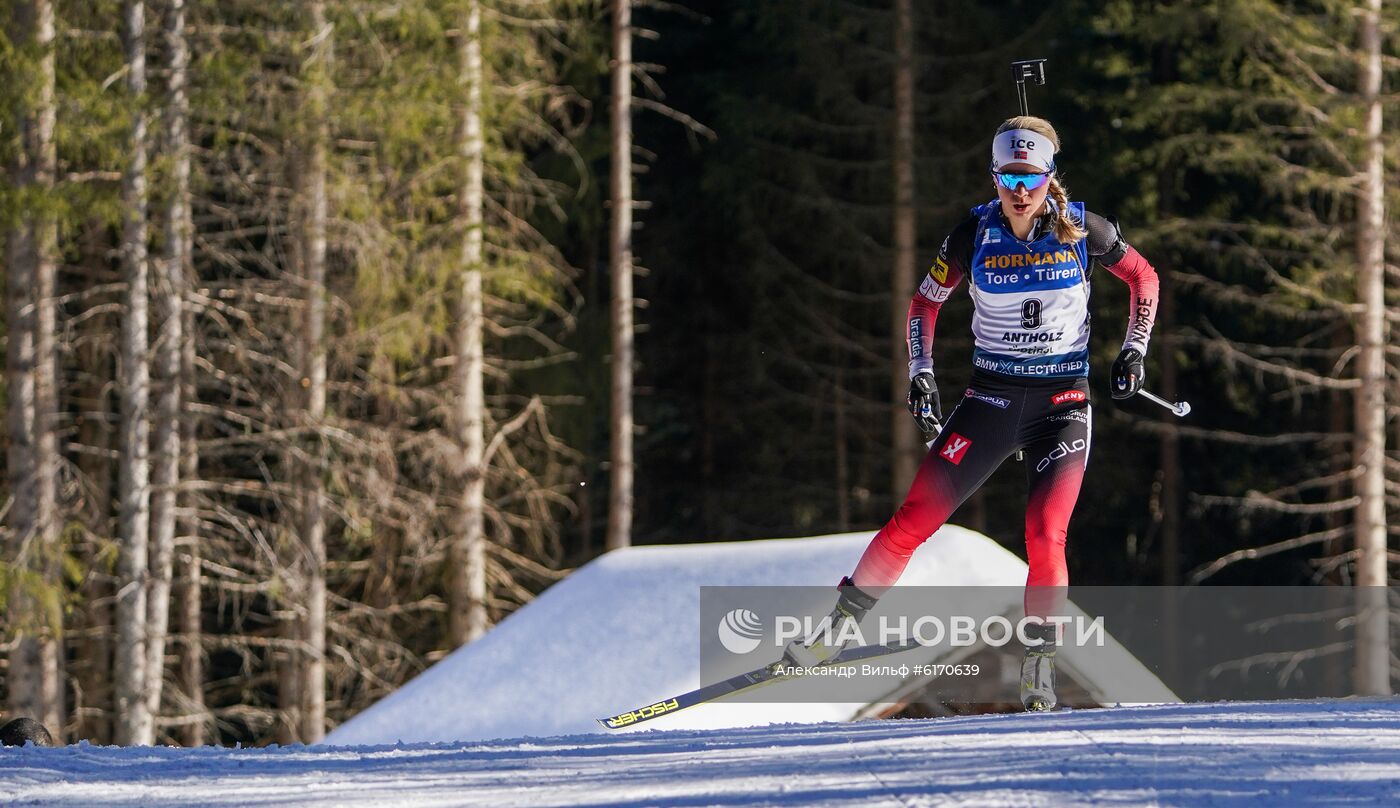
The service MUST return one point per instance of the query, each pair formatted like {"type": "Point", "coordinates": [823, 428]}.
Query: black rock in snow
{"type": "Point", "coordinates": [20, 730]}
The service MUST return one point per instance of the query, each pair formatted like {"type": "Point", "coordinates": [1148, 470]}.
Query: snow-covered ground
{"type": "Point", "coordinates": [1273, 754]}
{"type": "Point", "coordinates": [623, 631]}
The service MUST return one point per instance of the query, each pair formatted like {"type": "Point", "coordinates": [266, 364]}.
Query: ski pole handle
{"type": "Point", "coordinates": [1180, 409]}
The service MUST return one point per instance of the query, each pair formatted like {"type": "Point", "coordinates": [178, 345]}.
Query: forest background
{"type": "Point", "coordinates": [308, 325]}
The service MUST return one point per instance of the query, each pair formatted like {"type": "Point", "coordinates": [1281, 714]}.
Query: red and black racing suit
{"type": "Point", "coordinates": [1048, 417]}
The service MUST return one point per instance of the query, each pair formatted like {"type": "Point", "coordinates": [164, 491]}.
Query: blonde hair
{"type": "Point", "coordinates": [1067, 229]}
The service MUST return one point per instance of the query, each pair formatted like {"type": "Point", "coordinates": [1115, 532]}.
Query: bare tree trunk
{"type": "Point", "coordinates": [1372, 674]}
{"type": "Point", "coordinates": [93, 635]}
{"type": "Point", "coordinates": [34, 683]}
{"type": "Point", "coordinates": [313, 528]}
{"type": "Point", "coordinates": [191, 651]}
{"type": "Point", "coordinates": [170, 292]}
{"type": "Point", "coordinates": [711, 404]}
{"type": "Point", "coordinates": [1164, 71]}
{"type": "Point", "coordinates": [1339, 423]}
{"type": "Point", "coordinates": [620, 496]}
{"type": "Point", "coordinates": [19, 396]}
{"type": "Point", "coordinates": [23, 674]}
{"type": "Point", "coordinates": [467, 614]}
{"type": "Point", "coordinates": [840, 433]}
{"type": "Point", "coordinates": [22, 680]}
{"type": "Point", "coordinates": [906, 442]}
{"type": "Point", "coordinates": [133, 720]}
{"type": "Point", "coordinates": [287, 657]}
{"type": "Point", "coordinates": [46, 461]}
{"type": "Point", "coordinates": [191, 593]}
{"type": "Point", "coordinates": [1170, 497]}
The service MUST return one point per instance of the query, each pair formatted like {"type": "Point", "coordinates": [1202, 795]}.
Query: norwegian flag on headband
{"type": "Point", "coordinates": [1023, 146]}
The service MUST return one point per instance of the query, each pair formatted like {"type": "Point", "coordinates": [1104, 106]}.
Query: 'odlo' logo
{"type": "Point", "coordinates": [1060, 451]}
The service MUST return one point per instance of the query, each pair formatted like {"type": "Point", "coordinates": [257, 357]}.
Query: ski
{"type": "Point", "coordinates": [743, 682]}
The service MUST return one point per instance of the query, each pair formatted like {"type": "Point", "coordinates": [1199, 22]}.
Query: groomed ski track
{"type": "Point", "coordinates": [1283, 753]}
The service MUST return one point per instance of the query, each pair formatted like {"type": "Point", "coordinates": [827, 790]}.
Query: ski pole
{"type": "Point", "coordinates": [1180, 409]}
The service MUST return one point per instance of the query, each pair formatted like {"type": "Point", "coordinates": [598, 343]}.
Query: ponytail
{"type": "Point", "coordinates": [1067, 230]}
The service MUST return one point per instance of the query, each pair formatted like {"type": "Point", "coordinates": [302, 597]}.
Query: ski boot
{"type": "Point", "coordinates": [1038, 670]}
{"type": "Point", "coordinates": [851, 607]}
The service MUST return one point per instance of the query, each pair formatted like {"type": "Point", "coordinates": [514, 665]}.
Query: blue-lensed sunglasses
{"type": "Point", "coordinates": [1031, 182]}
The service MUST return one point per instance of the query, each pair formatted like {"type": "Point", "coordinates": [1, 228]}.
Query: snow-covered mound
{"type": "Point", "coordinates": [624, 629]}
{"type": "Point", "coordinates": [1267, 754]}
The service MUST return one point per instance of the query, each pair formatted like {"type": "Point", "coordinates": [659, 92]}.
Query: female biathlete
{"type": "Point", "coordinates": [1027, 258]}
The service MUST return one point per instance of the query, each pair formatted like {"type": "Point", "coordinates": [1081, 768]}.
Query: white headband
{"type": "Point", "coordinates": [1023, 146]}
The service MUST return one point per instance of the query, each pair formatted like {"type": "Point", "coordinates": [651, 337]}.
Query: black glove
{"type": "Point", "coordinates": [923, 402]}
{"type": "Point", "coordinates": [1127, 374]}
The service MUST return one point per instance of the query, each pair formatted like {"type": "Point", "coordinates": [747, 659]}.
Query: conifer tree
{"type": "Point", "coordinates": [169, 297]}
{"type": "Point", "coordinates": [1269, 129]}
{"type": "Point", "coordinates": [134, 720]}
{"type": "Point", "coordinates": [33, 620]}
{"type": "Point", "coordinates": [1373, 645]}
{"type": "Point", "coordinates": [468, 616]}
{"type": "Point", "coordinates": [311, 218]}
{"type": "Point", "coordinates": [906, 442]}
{"type": "Point", "coordinates": [621, 424]}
